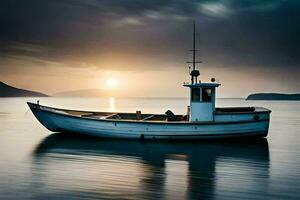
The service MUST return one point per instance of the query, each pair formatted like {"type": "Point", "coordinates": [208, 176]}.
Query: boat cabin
{"type": "Point", "coordinates": [202, 101]}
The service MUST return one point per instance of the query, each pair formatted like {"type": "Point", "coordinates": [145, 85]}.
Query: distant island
{"type": "Point", "coordinates": [9, 91]}
{"type": "Point", "coordinates": [274, 96]}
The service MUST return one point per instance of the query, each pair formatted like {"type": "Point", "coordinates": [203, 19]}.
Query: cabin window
{"type": "Point", "coordinates": [206, 94]}
{"type": "Point", "coordinates": [195, 94]}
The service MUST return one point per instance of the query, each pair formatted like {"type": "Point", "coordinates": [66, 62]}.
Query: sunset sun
{"type": "Point", "coordinates": [111, 83]}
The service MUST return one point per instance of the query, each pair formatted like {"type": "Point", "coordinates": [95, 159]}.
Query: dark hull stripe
{"type": "Point", "coordinates": [185, 137]}
{"type": "Point", "coordinates": [212, 135]}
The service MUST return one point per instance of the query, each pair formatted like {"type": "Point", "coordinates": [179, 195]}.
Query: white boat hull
{"type": "Point", "coordinates": [58, 122]}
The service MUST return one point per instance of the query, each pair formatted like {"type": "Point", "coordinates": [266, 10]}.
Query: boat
{"type": "Point", "coordinates": [203, 119]}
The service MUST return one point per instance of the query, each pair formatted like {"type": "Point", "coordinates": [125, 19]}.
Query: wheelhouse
{"type": "Point", "coordinates": [202, 101]}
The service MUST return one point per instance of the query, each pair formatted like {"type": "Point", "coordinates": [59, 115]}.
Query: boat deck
{"type": "Point", "coordinates": [130, 116]}
{"type": "Point", "coordinates": [150, 117]}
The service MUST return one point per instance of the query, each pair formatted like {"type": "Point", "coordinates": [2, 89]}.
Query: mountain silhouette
{"type": "Point", "coordinates": [9, 91]}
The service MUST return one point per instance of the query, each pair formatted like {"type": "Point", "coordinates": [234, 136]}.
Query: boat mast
{"type": "Point", "coordinates": [194, 73]}
{"type": "Point", "coordinates": [194, 46]}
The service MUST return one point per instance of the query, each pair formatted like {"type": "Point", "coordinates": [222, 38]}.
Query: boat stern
{"type": "Point", "coordinates": [258, 117]}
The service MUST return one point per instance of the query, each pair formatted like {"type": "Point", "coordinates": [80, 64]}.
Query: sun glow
{"type": "Point", "coordinates": [111, 83]}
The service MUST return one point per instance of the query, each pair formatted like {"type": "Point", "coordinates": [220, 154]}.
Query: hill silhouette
{"type": "Point", "coordinates": [274, 96]}
{"type": "Point", "coordinates": [9, 91]}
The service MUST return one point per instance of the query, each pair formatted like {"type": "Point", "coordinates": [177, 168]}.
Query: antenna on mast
{"type": "Point", "coordinates": [194, 73]}
{"type": "Point", "coordinates": [194, 46]}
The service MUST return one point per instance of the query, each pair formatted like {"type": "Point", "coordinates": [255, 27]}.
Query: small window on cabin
{"type": "Point", "coordinates": [195, 94]}
{"type": "Point", "coordinates": [206, 94]}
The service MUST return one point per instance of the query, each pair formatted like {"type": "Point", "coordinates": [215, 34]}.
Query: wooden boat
{"type": "Point", "coordinates": [229, 122]}
{"type": "Point", "coordinates": [203, 119]}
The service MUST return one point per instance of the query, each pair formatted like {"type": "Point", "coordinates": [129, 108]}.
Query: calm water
{"type": "Point", "coordinates": [37, 165]}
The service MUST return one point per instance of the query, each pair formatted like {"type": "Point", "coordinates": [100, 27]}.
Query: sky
{"type": "Point", "coordinates": [140, 48]}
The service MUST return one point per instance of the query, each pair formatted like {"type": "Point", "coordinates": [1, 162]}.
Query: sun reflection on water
{"type": "Point", "coordinates": [112, 104]}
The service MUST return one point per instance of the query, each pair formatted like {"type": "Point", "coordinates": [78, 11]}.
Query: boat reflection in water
{"type": "Point", "coordinates": [89, 167]}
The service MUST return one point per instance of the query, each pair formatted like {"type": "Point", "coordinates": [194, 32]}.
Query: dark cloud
{"type": "Point", "coordinates": [241, 33]}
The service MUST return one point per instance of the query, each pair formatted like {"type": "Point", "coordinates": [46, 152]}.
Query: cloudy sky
{"type": "Point", "coordinates": [60, 45]}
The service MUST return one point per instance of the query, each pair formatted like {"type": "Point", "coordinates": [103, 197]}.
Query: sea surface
{"type": "Point", "coordinates": [37, 164]}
